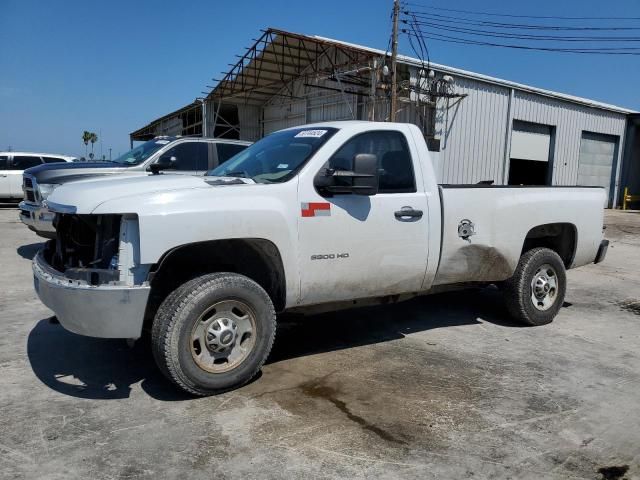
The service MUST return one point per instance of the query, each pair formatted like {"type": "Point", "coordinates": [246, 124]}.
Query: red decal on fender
{"type": "Point", "coordinates": [316, 209]}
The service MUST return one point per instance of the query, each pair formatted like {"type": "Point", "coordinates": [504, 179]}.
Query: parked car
{"type": "Point", "coordinates": [181, 155]}
{"type": "Point", "coordinates": [308, 218]}
{"type": "Point", "coordinates": [12, 164]}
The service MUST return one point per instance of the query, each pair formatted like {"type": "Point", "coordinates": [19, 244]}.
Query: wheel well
{"type": "Point", "coordinates": [255, 258]}
{"type": "Point", "coordinates": [559, 237]}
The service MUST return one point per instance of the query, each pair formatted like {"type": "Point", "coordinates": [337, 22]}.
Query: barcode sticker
{"type": "Point", "coordinates": [311, 133]}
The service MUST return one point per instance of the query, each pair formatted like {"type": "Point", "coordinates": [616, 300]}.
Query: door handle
{"type": "Point", "coordinates": [408, 213]}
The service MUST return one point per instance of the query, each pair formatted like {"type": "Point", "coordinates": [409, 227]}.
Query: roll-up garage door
{"type": "Point", "coordinates": [530, 141]}
{"type": "Point", "coordinates": [531, 150]}
{"type": "Point", "coordinates": [596, 161]}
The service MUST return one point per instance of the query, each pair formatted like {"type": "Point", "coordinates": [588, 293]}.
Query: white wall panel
{"type": "Point", "coordinates": [284, 115]}
{"type": "Point", "coordinates": [472, 130]}
{"type": "Point", "coordinates": [249, 117]}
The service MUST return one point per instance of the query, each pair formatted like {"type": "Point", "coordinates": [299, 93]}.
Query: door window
{"type": "Point", "coordinates": [228, 150]}
{"type": "Point", "coordinates": [189, 156]}
{"type": "Point", "coordinates": [22, 162]}
{"type": "Point", "coordinates": [394, 160]}
{"type": "Point", "coordinates": [4, 162]}
{"type": "Point", "coordinates": [52, 159]}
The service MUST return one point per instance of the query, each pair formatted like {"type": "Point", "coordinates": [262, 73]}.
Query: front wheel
{"type": "Point", "coordinates": [535, 292]}
{"type": "Point", "coordinates": [213, 333]}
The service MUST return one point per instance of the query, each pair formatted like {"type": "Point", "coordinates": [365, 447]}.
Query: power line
{"type": "Point", "coordinates": [520, 26]}
{"type": "Point", "coordinates": [522, 36]}
{"type": "Point", "coordinates": [491, 14]}
{"type": "Point", "coordinates": [480, 32]}
{"type": "Point", "coordinates": [592, 51]}
{"type": "Point", "coordinates": [421, 43]}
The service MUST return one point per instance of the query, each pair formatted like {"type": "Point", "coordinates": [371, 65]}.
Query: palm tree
{"type": "Point", "coordinates": [86, 137]}
{"type": "Point", "coordinates": [93, 139]}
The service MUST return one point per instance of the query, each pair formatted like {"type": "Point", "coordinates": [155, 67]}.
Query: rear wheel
{"type": "Point", "coordinates": [213, 333]}
{"type": "Point", "coordinates": [535, 293]}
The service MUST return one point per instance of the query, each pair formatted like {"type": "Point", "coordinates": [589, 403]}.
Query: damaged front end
{"type": "Point", "coordinates": [86, 248]}
{"type": "Point", "coordinates": [91, 276]}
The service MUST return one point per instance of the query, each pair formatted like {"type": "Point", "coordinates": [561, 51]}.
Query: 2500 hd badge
{"type": "Point", "coordinates": [329, 256]}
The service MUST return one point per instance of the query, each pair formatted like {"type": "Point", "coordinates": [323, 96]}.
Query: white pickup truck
{"type": "Point", "coordinates": [326, 215]}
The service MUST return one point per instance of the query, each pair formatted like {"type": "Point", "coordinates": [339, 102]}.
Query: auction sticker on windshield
{"type": "Point", "coordinates": [310, 133]}
{"type": "Point", "coordinates": [162, 142]}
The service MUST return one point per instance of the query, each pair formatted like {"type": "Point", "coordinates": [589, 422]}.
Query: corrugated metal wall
{"type": "Point", "coordinates": [314, 103]}
{"type": "Point", "coordinates": [170, 126]}
{"type": "Point", "coordinates": [472, 132]}
{"type": "Point", "coordinates": [569, 120]}
{"type": "Point", "coordinates": [249, 121]}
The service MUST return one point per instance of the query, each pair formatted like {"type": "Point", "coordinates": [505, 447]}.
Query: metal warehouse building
{"type": "Point", "coordinates": [482, 128]}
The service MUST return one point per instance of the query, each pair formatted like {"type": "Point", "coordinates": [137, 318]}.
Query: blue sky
{"type": "Point", "coordinates": [112, 66]}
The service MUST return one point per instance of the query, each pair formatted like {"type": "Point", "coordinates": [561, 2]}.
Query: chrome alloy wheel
{"type": "Point", "coordinates": [223, 336]}
{"type": "Point", "coordinates": [544, 287]}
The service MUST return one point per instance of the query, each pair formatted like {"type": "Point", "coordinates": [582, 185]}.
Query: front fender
{"type": "Point", "coordinates": [171, 219]}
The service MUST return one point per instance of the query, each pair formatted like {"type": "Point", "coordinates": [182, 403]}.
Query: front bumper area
{"type": "Point", "coordinates": [105, 311]}
{"type": "Point", "coordinates": [38, 219]}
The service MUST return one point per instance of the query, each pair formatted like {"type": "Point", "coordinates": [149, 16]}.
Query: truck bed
{"type": "Point", "coordinates": [502, 217]}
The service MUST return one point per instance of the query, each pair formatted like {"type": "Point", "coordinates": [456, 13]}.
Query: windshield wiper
{"type": "Point", "coordinates": [237, 173]}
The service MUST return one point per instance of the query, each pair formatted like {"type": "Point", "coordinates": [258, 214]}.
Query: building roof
{"type": "Point", "coordinates": [279, 56]}
{"type": "Point", "coordinates": [147, 132]}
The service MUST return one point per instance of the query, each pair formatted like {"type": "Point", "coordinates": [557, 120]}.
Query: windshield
{"type": "Point", "coordinates": [142, 152]}
{"type": "Point", "coordinates": [277, 157]}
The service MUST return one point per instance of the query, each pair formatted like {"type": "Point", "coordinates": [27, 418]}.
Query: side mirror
{"type": "Point", "coordinates": [365, 169]}
{"type": "Point", "coordinates": [163, 163]}
{"type": "Point", "coordinates": [362, 180]}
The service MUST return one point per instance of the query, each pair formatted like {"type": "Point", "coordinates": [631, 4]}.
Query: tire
{"type": "Point", "coordinates": [535, 293]}
{"type": "Point", "coordinates": [206, 319]}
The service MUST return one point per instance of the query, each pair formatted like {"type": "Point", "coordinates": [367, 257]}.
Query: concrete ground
{"type": "Point", "coordinates": [439, 387]}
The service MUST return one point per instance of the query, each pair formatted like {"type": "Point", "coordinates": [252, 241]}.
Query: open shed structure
{"type": "Point", "coordinates": [480, 128]}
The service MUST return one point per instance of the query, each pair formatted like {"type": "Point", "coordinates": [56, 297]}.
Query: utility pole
{"type": "Point", "coordinates": [394, 63]}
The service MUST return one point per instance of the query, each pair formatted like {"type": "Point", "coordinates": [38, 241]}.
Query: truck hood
{"type": "Point", "coordinates": [65, 172]}
{"type": "Point", "coordinates": [84, 196]}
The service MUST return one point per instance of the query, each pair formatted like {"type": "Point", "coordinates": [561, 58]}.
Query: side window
{"type": "Point", "coordinates": [22, 162]}
{"type": "Point", "coordinates": [52, 160]}
{"type": "Point", "coordinates": [228, 150]}
{"type": "Point", "coordinates": [189, 156]}
{"type": "Point", "coordinates": [394, 159]}
{"type": "Point", "coordinates": [4, 162]}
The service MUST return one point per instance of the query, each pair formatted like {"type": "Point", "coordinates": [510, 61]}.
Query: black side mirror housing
{"type": "Point", "coordinates": [163, 163]}
{"type": "Point", "coordinates": [362, 180]}
{"type": "Point", "coordinates": [366, 173]}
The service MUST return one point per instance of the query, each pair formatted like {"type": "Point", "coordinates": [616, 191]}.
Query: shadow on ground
{"type": "Point", "coordinates": [29, 251]}
{"type": "Point", "coordinates": [94, 368]}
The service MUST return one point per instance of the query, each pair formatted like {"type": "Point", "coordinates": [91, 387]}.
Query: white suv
{"type": "Point", "coordinates": [12, 164]}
